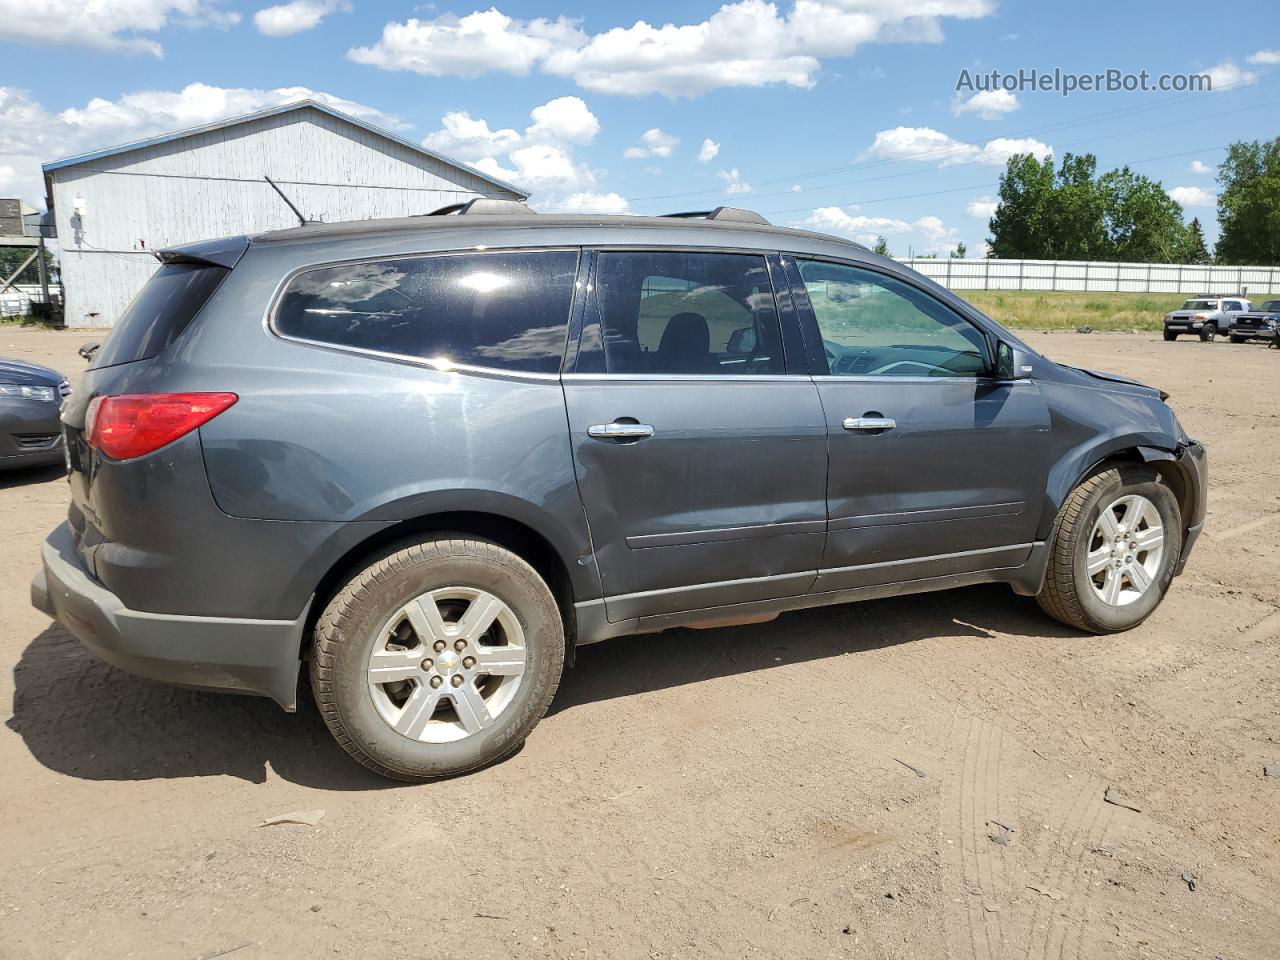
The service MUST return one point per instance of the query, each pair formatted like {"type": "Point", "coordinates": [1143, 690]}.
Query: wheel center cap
{"type": "Point", "coordinates": [447, 662]}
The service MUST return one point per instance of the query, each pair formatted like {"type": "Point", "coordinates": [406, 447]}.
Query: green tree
{"type": "Point", "coordinates": [1077, 210]}
{"type": "Point", "coordinates": [1020, 226]}
{"type": "Point", "coordinates": [1143, 223]}
{"type": "Point", "coordinates": [881, 247]}
{"type": "Point", "coordinates": [1196, 251]}
{"type": "Point", "coordinates": [1249, 203]}
{"type": "Point", "coordinates": [960, 252]}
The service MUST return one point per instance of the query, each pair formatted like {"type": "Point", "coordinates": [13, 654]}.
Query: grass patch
{"type": "Point", "coordinates": [1041, 310]}
{"type": "Point", "coordinates": [27, 321]}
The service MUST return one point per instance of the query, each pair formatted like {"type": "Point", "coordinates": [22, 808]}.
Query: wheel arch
{"type": "Point", "coordinates": [1134, 451]}
{"type": "Point", "coordinates": [533, 545]}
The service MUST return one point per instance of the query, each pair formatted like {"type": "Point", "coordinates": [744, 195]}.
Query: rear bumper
{"type": "Point", "coordinates": [210, 653]}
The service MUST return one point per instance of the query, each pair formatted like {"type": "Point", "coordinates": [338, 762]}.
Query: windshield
{"type": "Point", "coordinates": [1270, 306]}
{"type": "Point", "coordinates": [1200, 305]}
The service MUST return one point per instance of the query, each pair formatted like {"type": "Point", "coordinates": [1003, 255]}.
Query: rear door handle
{"type": "Point", "coordinates": [869, 423]}
{"type": "Point", "coordinates": [620, 431]}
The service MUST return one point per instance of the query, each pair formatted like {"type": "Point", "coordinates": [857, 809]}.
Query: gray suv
{"type": "Point", "coordinates": [424, 459]}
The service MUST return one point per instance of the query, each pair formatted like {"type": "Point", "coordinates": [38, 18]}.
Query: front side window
{"type": "Point", "coordinates": [873, 325]}
{"type": "Point", "coordinates": [675, 312]}
{"type": "Point", "coordinates": [508, 311]}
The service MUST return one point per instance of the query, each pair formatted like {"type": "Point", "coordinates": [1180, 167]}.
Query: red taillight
{"type": "Point", "coordinates": [130, 426]}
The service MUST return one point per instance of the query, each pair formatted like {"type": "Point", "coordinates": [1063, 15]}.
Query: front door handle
{"type": "Point", "coordinates": [620, 431]}
{"type": "Point", "coordinates": [869, 423]}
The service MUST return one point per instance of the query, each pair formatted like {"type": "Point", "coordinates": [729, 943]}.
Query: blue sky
{"type": "Point", "coordinates": [839, 114]}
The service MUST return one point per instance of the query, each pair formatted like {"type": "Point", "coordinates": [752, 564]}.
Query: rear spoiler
{"type": "Point", "coordinates": [225, 252]}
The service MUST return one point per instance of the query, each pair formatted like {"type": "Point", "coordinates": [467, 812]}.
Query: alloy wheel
{"type": "Point", "coordinates": [1125, 550]}
{"type": "Point", "coordinates": [447, 664]}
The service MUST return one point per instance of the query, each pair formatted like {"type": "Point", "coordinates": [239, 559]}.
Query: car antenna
{"type": "Point", "coordinates": [302, 221]}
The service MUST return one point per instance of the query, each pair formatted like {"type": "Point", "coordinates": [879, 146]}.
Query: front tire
{"type": "Point", "coordinates": [1169, 335]}
{"type": "Point", "coordinates": [1235, 339]}
{"type": "Point", "coordinates": [1115, 544]}
{"type": "Point", "coordinates": [1208, 332]}
{"type": "Point", "coordinates": [438, 658]}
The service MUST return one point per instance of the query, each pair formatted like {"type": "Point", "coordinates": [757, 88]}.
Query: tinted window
{"type": "Point", "coordinates": [503, 310]}
{"type": "Point", "coordinates": [688, 313]}
{"type": "Point", "coordinates": [163, 308]}
{"type": "Point", "coordinates": [873, 325]}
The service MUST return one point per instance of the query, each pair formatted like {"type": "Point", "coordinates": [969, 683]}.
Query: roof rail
{"type": "Point", "coordinates": [731, 214]}
{"type": "Point", "coordinates": [484, 205]}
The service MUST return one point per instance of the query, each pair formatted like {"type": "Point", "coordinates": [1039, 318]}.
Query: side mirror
{"type": "Point", "coordinates": [87, 350]}
{"type": "Point", "coordinates": [742, 341]}
{"type": "Point", "coordinates": [1012, 363]}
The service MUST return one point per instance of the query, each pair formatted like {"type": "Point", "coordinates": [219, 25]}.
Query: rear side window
{"type": "Point", "coordinates": [163, 308]}
{"type": "Point", "coordinates": [508, 311]}
{"type": "Point", "coordinates": [688, 313]}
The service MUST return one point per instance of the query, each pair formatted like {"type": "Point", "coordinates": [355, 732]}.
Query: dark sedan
{"type": "Point", "coordinates": [30, 397]}
{"type": "Point", "coordinates": [1259, 324]}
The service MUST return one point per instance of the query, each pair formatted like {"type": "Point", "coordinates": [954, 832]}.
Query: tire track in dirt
{"type": "Point", "coordinates": [1232, 532]}
{"type": "Point", "coordinates": [972, 809]}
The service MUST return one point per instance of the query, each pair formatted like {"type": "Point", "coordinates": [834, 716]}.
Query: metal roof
{"type": "Point", "coordinates": [271, 112]}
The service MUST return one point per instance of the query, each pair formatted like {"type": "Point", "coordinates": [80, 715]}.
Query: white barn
{"type": "Point", "coordinates": [114, 206]}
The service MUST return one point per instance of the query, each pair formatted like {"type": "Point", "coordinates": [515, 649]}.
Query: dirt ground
{"type": "Point", "coordinates": [738, 792]}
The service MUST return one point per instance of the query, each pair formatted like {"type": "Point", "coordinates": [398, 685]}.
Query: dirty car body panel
{"type": "Point", "coordinates": [203, 562]}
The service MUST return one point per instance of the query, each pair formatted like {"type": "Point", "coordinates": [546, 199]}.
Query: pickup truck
{"type": "Point", "coordinates": [1259, 324]}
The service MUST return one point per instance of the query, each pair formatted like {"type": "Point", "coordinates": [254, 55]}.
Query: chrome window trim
{"type": "Point", "coordinates": [277, 295]}
{"type": "Point", "coordinates": [985, 378]}
{"type": "Point", "coordinates": [686, 377]}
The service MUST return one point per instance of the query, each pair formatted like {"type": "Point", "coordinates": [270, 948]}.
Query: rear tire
{"type": "Point", "coordinates": [438, 658]}
{"type": "Point", "coordinates": [1208, 332]}
{"type": "Point", "coordinates": [1094, 583]}
{"type": "Point", "coordinates": [1170, 335]}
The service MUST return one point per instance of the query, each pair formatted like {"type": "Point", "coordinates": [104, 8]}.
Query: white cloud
{"type": "Point", "coordinates": [30, 134]}
{"type": "Point", "coordinates": [1198, 166]}
{"type": "Point", "coordinates": [653, 143]}
{"type": "Point", "coordinates": [746, 43]}
{"type": "Point", "coordinates": [468, 46]}
{"type": "Point", "coordinates": [934, 234]}
{"type": "Point", "coordinates": [981, 208]}
{"type": "Point", "coordinates": [926, 144]}
{"type": "Point", "coordinates": [795, 188]}
{"type": "Point", "coordinates": [1265, 57]}
{"type": "Point", "coordinates": [708, 151]}
{"type": "Point", "coordinates": [465, 138]}
{"type": "Point", "coordinates": [563, 120]}
{"type": "Point", "coordinates": [117, 26]}
{"type": "Point", "coordinates": [540, 159]}
{"type": "Point", "coordinates": [987, 104]}
{"type": "Point", "coordinates": [1226, 76]}
{"type": "Point", "coordinates": [588, 202]}
{"type": "Point", "coordinates": [286, 19]}
{"type": "Point", "coordinates": [733, 181]}
{"type": "Point", "coordinates": [1193, 196]}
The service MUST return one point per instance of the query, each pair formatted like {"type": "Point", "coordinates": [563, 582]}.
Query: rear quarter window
{"type": "Point", "coordinates": [161, 311]}
{"type": "Point", "coordinates": [503, 310]}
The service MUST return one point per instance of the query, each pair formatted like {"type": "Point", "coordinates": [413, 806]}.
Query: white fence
{"type": "Point", "coordinates": [1101, 277]}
